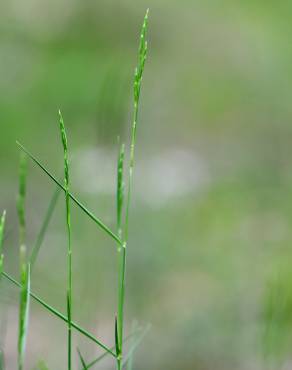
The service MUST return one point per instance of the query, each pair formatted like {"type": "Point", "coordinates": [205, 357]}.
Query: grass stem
{"type": "Point", "coordinates": [69, 250]}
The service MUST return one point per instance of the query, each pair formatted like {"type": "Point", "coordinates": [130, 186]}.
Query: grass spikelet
{"type": "Point", "coordinates": [21, 197]}
{"type": "Point", "coordinates": [24, 306]}
{"type": "Point", "coordinates": [137, 89]}
{"type": "Point", "coordinates": [69, 250]}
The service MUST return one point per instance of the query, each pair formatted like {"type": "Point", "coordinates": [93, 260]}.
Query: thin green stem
{"type": "Point", "coordinates": [60, 315]}
{"type": "Point", "coordinates": [123, 251]}
{"type": "Point", "coordinates": [68, 222]}
{"type": "Point", "coordinates": [121, 255]}
{"type": "Point", "coordinates": [72, 197]}
{"type": "Point", "coordinates": [23, 307]}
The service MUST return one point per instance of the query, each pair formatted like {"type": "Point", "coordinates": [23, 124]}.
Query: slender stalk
{"type": "Point", "coordinates": [24, 306]}
{"type": "Point", "coordinates": [44, 227]}
{"type": "Point", "coordinates": [121, 254]}
{"type": "Point", "coordinates": [69, 251]}
{"type": "Point", "coordinates": [60, 315]}
{"type": "Point", "coordinates": [123, 250]}
{"type": "Point", "coordinates": [24, 267]}
{"type": "Point", "coordinates": [72, 197]}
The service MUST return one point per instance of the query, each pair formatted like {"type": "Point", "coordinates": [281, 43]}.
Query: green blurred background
{"type": "Point", "coordinates": [210, 246]}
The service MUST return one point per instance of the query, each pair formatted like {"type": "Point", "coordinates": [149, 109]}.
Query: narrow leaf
{"type": "Point", "coordinates": [83, 363]}
{"type": "Point", "coordinates": [136, 344]}
{"type": "Point", "coordinates": [131, 356]}
{"type": "Point", "coordinates": [44, 227]}
{"type": "Point", "coordinates": [99, 358]}
{"type": "Point", "coordinates": [61, 316]}
{"type": "Point", "coordinates": [74, 199]}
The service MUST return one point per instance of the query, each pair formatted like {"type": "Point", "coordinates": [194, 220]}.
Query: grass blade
{"type": "Point", "coordinates": [83, 363]}
{"type": "Point", "coordinates": [130, 361]}
{"type": "Point", "coordinates": [135, 345]}
{"type": "Point", "coordinates": [74, 199]}
{"type": "Point", "coordinates": [99, 358]}
{"type": "Point", "coordinates": [61, 316]}
{"type": "Point", "coordinates": [21, 197]}
{"type": "Point", "coordinates": [24, 307]}
{"type": "Point", "coordinates": [69, 250]}
{"type": "Point", "coordinates": [44, 227]}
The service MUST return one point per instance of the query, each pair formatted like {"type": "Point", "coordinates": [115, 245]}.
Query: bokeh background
{"type": "Point", "coordinates": [211, 222]}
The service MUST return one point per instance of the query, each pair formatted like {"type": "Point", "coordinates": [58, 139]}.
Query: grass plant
{"type": "Point", "coordinates": [120, 237]}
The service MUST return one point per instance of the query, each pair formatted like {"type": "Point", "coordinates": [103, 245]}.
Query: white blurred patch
{"type": "Point", "coordinates": [171, 174]}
